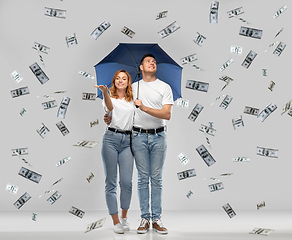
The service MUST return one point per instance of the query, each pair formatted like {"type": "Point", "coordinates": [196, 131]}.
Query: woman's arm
{"type": "Point", "coordinates": [106, 97]}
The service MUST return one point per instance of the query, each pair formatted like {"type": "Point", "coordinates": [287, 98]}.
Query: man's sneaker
{"type": "Point", "coordinates": [125, 224]}
{"type": "Point", "coordinates": [159, 227]}
{"type": "Point", "coordinates": [118, 228]}
{"type": "Point", "coordinates": [144, 226]}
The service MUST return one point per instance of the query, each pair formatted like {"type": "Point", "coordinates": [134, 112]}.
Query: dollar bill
{"type": "Point", "coordinates": [128, 32]}
{"type": "Point", "coordinates": [228, 209]}
{"type": "Point", "coordinates": [34, 216]}
{"type": "Point", "coordinates": [236, 50]}
{"type": "Point", "coordinates": [71, 40]}
{"type": "Point", "coordinates": [182, 103]}
{"type": "Point", "coordinates": [63, 107]}
{"type": "Point", "coordinates": [94, 123]}
{"type": "Point", "coordinates": [209, 130]}
{"type": "Point", "coordinates": [226, 101]}
{"type": "Point", "coordinates": [16, 76]}
{"type": "Point", "coordinates": [237, 122]}
{"type": "Point", "coordinates": [77, 212]}
{"type": "Point", "coordinates": [226, 79]}
{"type": "Point", "coordinates": [277, 34]}
{"type": "Point", "coordinates": [279, 49]}
{"type": "Point", "coordinates": [225, 65]}
{"type": "Point", "coordinates": [39, 73]}
{"type": "Point", "coordinates": [89, 178]}
{"type": "Point", "coordinates": [196, 85]}
{"type": "Point", "coordinates": [63, 129]}
{"type": "Point", "coordinates": [261, 205]}
{"type": "Point", "coordinates": [161, 15]}
{"type": "Point", "coordinates": [11, 188]}
{"type": "Point", "coordinates": [19, 151]}
{"type": "Point", "coordinates": [206, 137]}
{"type": "Point", "coordinates": [271, 86]}
{"type": "Point", "coordinates": [57, 182]}
{"type": "Point", "coordinates": [205, 155]}
{"type": "Point", "coordinates": [241, 159]}
{"type": "Point", "coordinates": [59, 92]}
{"type": "Point", "coordinates": [195, 112]}
{"type": "Point", "coordinates": [30, 175]}
{"type": "Point", "coordinates": [248, 59]}
{"type": "Point", "coordinates": [63, 161]}
{"type": "Point", "coordinates": [22, 200]}
{"type": "Point", "coordinates": [214, 12]}
{"type": "Point", "coordinates": [199, 39]}
{"type": "Point", "coordinates": [52, 199]}
{"type": "Point", "coordinates": [58, 13]}
{"type": "Point", "coordinates": [290, 112]}
{"type": "Point", "coordinates": [22, 112]}
{"type": "Point", "coordinates": [197, 67]}
{"type": "Point", "coordinates": [87, 144]}
{"type": "Point", "coordinates": [43, 130]}
{"type": "Point", "coordinates": [267, 152]}
{"type": "Point", "coordinates": [100, 29]}
{"type": "Point", "coordinates": [49, 104]}
{"type": "Point", "coordinates": [251, 32]}
{"type": "Point", "coordinates": [19, 92]}
{"type": "Point", "coordinates": [95, 225]}
{"type": "Point", "coordinates": [286, 107]}
{"type": "Point", "coordinates": [47, 192]}
{"type": "Point", "coordinates": [183, 158]}
{"type": "Point", "coordinates": [280, 11]}
{"type": "Point", "coordinates": [189, 194]}
{"type": "Point", "coordinates": [85, 74]}
{"type": "Point", "coordinates": [235, 12]}
{"type": "Point", "coordinates": [216, 187]}
{"type": "Point", "coordinates": [41, 48]}
{"type": "Point", "coordinates": [226, 174]}
{"type": "Point", "coordinates": [169, 29]}
{"type": "Point", "coordinates": [265, 72]}
{"type": "Point", "coordinates": [188, 59]}
{"type": "Point", "coordinates": [267, 111]}
{"type": "Point", "coordinates": [262, 231]}
{"type": "Point", "coordinates": [186, 174]}
{"type": "Point", "coordinates": [89, 96]}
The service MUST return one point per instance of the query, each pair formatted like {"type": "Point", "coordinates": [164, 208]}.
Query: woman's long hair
{"type": "Point", "coordinates": [113, 89]}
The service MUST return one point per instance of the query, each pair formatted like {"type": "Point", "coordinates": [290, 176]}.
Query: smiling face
{"type": "Point", "coordinates": [121, 81]}
{"type": "Point", "coordinates": [148, 65]}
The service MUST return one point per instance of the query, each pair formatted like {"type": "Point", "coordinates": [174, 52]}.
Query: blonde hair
{"type": "Point", "coordinates": [113, 89]}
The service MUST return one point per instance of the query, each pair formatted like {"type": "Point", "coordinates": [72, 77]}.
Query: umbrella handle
{"type": "Point", "coordinates": [136, 105]}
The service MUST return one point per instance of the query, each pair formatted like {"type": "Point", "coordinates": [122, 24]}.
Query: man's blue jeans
{"type": "Point", "coordinates": [115, 150]}
{"type": "Point", "coordinates": [149, 152]}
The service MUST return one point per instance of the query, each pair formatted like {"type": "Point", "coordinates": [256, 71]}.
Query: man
{"type": "Point", "coordinates": [155, 100]}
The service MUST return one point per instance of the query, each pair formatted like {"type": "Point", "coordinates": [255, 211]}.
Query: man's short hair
{"type": "Point", "coordinates": [145, 56]}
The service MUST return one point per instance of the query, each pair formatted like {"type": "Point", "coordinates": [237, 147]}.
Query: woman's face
{"type": "Point", "coordinates": [121, 82]}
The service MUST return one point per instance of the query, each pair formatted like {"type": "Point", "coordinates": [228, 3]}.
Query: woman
{"type": "Point", "coordinates": [115, 149]}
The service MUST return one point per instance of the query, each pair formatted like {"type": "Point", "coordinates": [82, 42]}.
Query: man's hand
{"type": "Point", "coordinates": [107, 119]}
{"type": "Point", "coordinates": [139, 104]}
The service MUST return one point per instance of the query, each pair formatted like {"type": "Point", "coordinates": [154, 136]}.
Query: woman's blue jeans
{"type": "Point", "coordinates": [149, 151]}
{"type": "Point", "coordinates": [115, 151]}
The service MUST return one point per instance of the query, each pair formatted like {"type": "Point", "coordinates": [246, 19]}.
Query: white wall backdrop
{"type": "Point", "coordinates": [262, 179]}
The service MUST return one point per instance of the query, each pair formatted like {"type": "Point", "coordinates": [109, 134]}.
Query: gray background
{"type": "Point", "coordinates": [262, 179]}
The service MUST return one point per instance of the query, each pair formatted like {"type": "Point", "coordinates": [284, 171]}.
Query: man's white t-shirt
{"type": "Point", "coordinates": [154, 95]}
{"type": "Point", "coordinates": [122, 114]}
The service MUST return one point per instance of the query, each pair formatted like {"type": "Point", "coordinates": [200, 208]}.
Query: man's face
{"type": "Point", "coordinates": [148, 65]}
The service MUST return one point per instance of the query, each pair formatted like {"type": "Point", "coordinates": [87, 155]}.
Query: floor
{"type": "Point", "coordinates": [201, 225]}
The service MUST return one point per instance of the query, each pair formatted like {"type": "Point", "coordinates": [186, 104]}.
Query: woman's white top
{"type": "Point", "coordinates": [122, 114]}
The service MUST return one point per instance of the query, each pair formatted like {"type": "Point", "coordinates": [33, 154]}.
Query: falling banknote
{"type": "Point", "coordinates": [267, 152]}
{"type": "Point", "coordinates": [205, 155]}
{"type": "Point", "coordinates": [280, 11]}
{"type": "Point", "coordinates": [196, 85]}
{"type": "Point", "coordinates": [216, 187]}
{"type": "Point", "coordinates": [286, 107]}
{"type": "Point", "coordinates": [49, 104]}
{"type": "Point", "coordinates": [89, 96]}
{"type": "Point", "coordinates": [85, 74]}
{"type": "Point", "coordinates": [63, 107]}
{"type": "Point", "coordinates": [128, 32]}
{"type": "Point", "coordinates": [89, 178]}
{"type": "Point", "coordinates": [267, 111]}
{"type": "Point", "coordinates": [262, 231]}
{"type": "Point", "coordinates": [241, 159]}
{"type": "Point", "coordinates": [251, 111]}
{"type": "Point", "coordinates": [235, 12]}
{"type": "Point", "coordinates": [228, 209]}
{"type": "Point", "coordinates": [279, 49]}
{"type": "Point", "coordinates": [225, 65]}
{"type": "Point", "coordinates": [71, 40]}
{"type": "Point", "coordinates": [161, 15]}
{"type": "Point", "coordinates": [237, 122]}
{"type": "Point", "coordinates": [100, 29]}
{"type": "Point", "coordinates": [63, 161]}
{"type": "Point", "coordinates": [58, 13]}
{"type": "Point", "coordinates": [87, 144]}
{"type": "Point", "coordinates": [52, 199]}
{"type": "Point", "coordinates": [16, 76]}
{"type": "Point", "coordinates": [11, 188]}
{"type": "Point", "coordinates": [41, 48]}
{"type": "Point", "coordinates": [19, 92]}
{"type": "Point", "coordinates": [195, 112]}
{"type": "Point", "coordinates": [226, 101]}
{"type": "Point", "coordinates": [186, 174]}
{"type": "Point", "coordinates": [189, 194]}
{"type": "Point", "coordinates": [95, 225]}
{"type": "Point", "coordinates": [63, 129]}
{"type": "Point", "coordinates": [22, 200]}
{"type": "Point", "coordinates": [183, 158]}
{"type": "Point", "coordinates": [39, 73]}
{"type": "Point", "coordinates": [189, 59]}
{"type": "Point", "coordinates": [248, 59]}
{"type": "Point", "coordinates": [208, 130]}
{"type": "Point", "coordinates": [30, 175]}
{"type": "Point", "coordinates": [183, 103]}
{"type": "Point", "coordinates": [77, 212]}
{"type": "Point", "coordinates": [214, 12]}
{"type": "Point", "coordinates": [43, 130]}
{"type": "Point", "coordinates": [169, 29]}
{"type": "Point", "coordinates": [236, 50]}
{"type": "Point", "coordinates": [251, 32]}
{"type": "Point", "coordinates": [261, 205]}
{"type": "Point", "coordinates": [199, 39]}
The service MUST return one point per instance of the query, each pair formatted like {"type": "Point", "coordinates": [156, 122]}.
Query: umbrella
{"type": "Point", "coordinates": [127, 56]}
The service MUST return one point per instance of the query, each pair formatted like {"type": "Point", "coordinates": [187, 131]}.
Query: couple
{"type": "Point", "coordinates": [140, 131]}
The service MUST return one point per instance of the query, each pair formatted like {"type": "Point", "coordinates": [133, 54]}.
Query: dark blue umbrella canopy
{"type": "Point", "coordinates": [127, 56]}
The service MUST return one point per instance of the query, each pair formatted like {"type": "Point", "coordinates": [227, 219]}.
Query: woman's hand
{"type": "Point", "coordinates": [102, 88]}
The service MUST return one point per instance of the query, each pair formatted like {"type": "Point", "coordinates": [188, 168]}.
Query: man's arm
{"type": "Point", "coordinates": [164, 113]}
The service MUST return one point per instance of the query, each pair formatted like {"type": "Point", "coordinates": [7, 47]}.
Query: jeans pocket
{"type": "Point", "coordinates": [161, 134]}
{"type": "Point", "coordinates": [135, 134]}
